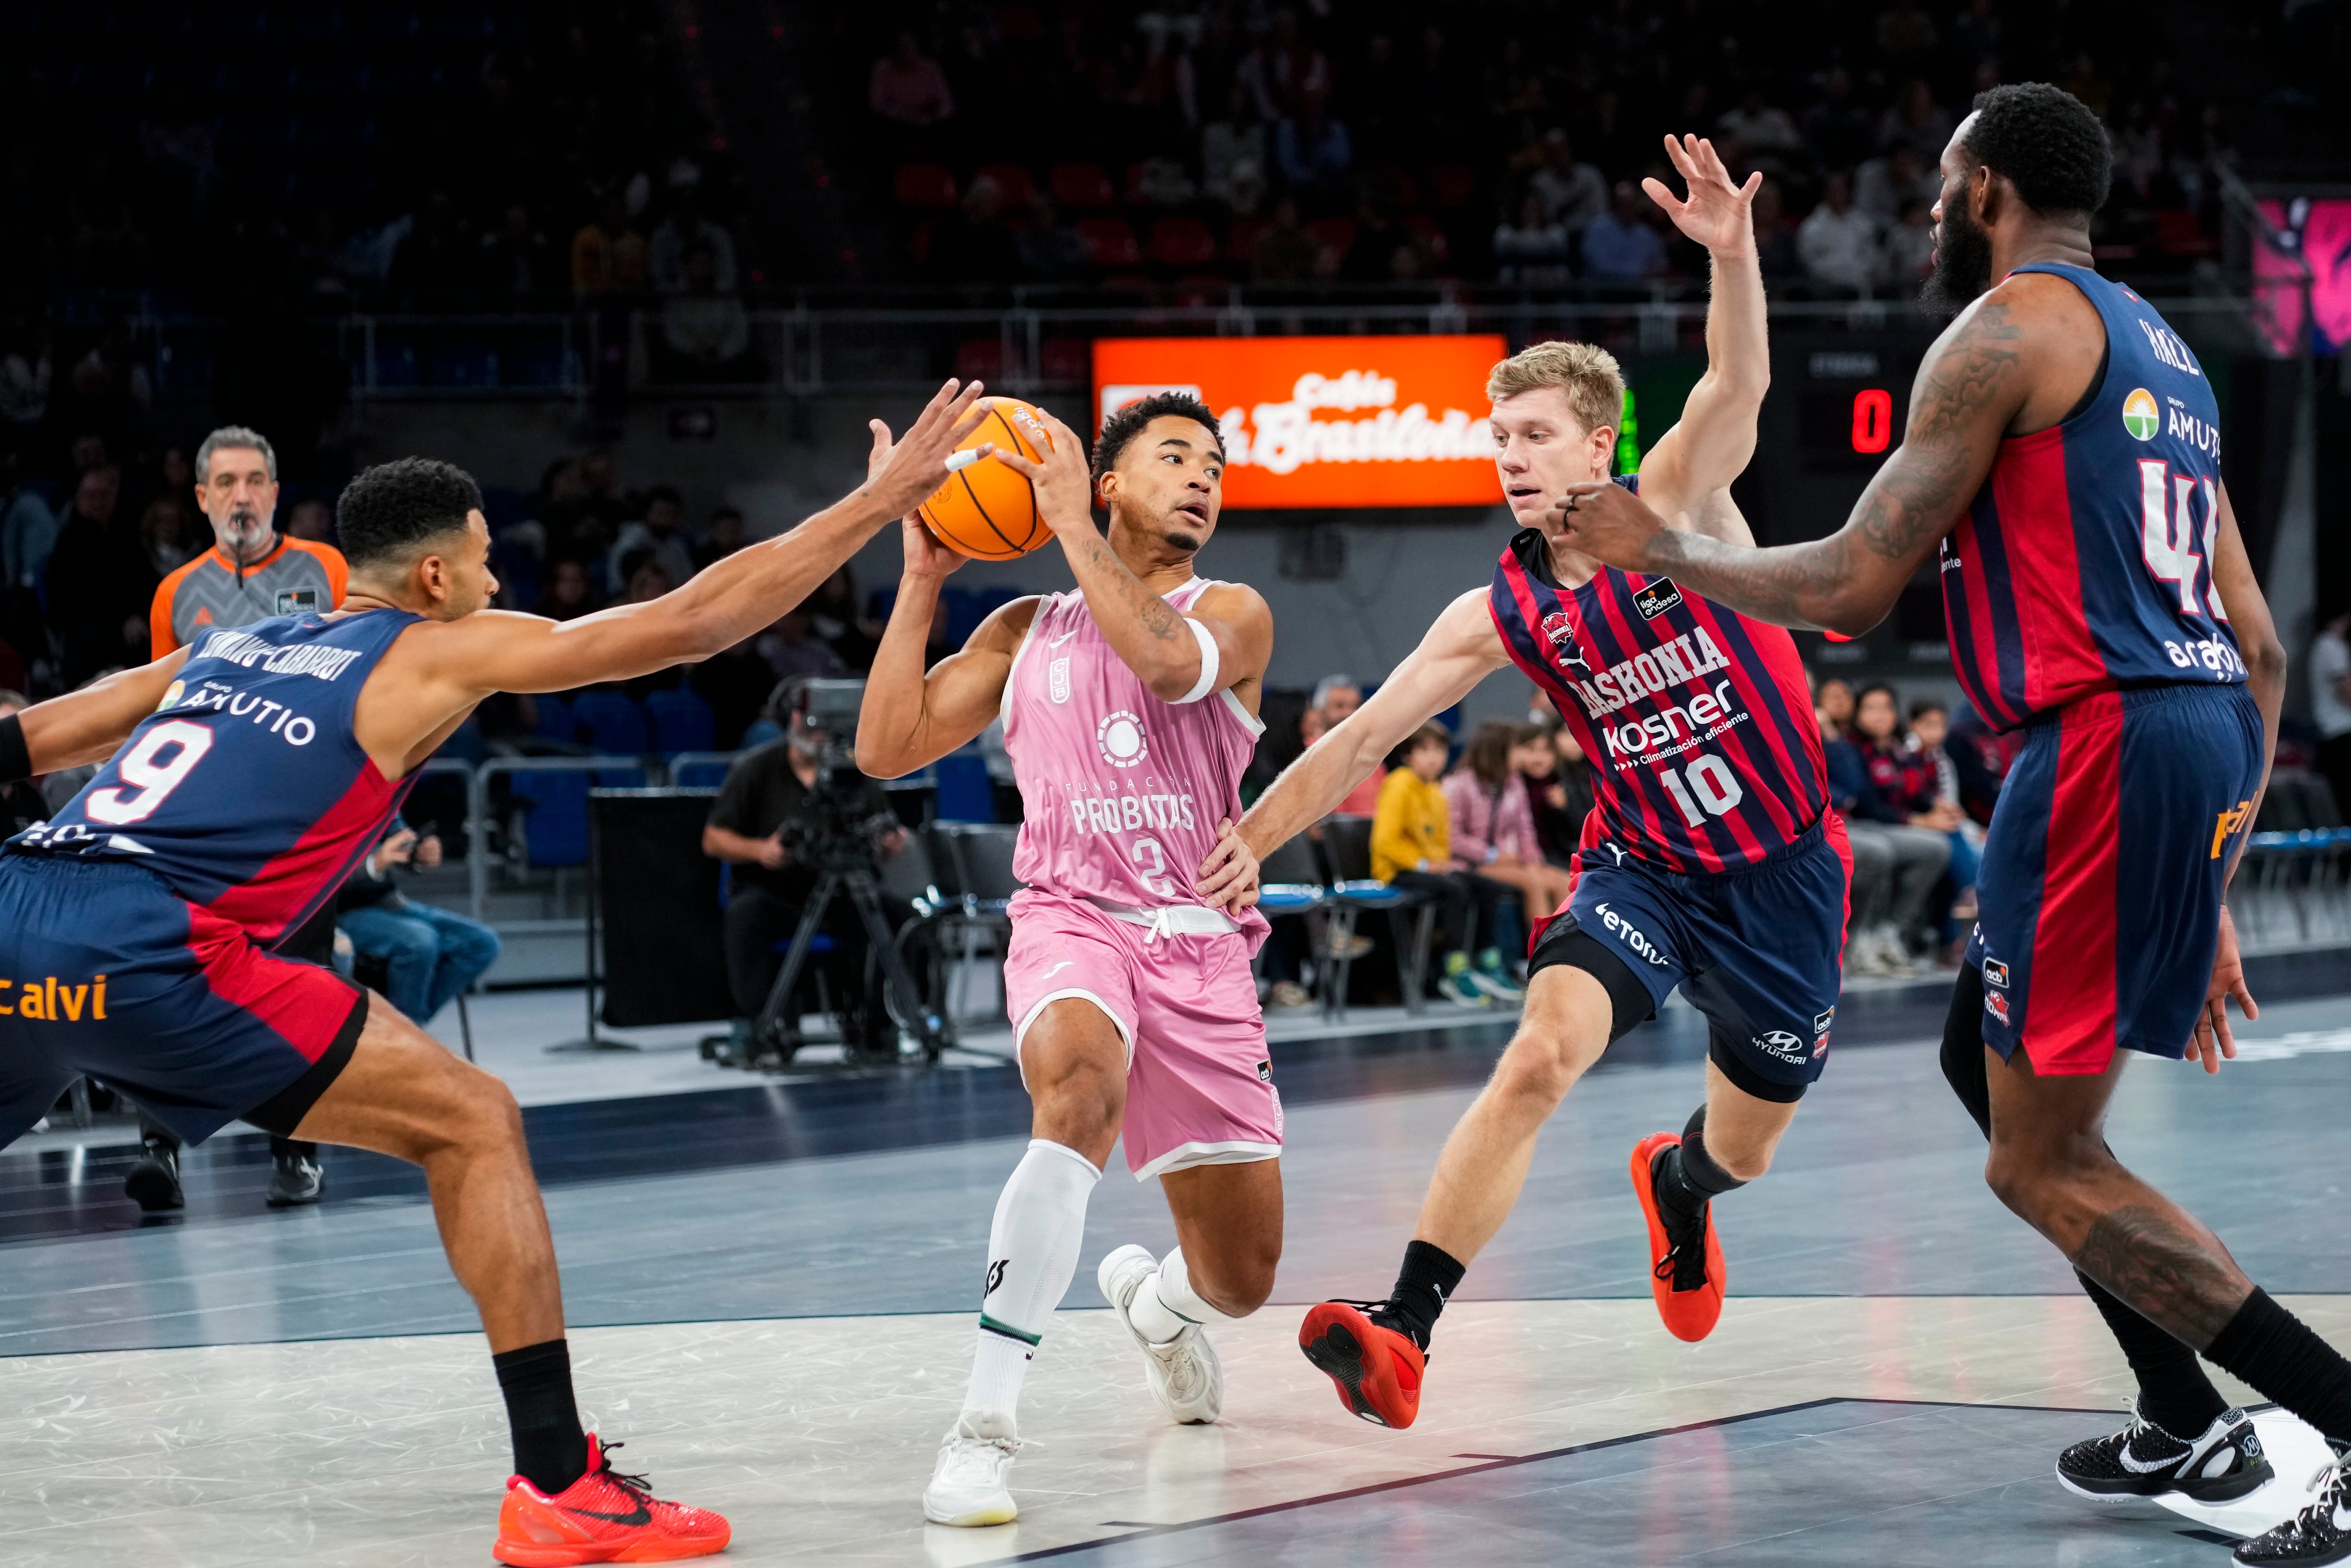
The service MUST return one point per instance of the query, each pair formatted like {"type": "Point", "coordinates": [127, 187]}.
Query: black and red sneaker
{"type": "Point", "coordinates": [1378, 1369]}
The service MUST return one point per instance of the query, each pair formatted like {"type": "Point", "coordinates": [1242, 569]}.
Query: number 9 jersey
{"type": "Point", "coordinates": [246, 792]}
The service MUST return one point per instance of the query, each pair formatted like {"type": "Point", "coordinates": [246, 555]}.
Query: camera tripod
{"type": "Point", "coordinates": [779, 1022]}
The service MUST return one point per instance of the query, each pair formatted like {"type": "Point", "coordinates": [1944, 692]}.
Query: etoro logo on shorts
{"type": "Point", "coordinates": [1633, 938]}
{"type": "Point", "coordinates": [1120, 736]}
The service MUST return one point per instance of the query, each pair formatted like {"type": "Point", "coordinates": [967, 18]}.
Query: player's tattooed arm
{"type": "Point", "coordinates": [1968, 393]}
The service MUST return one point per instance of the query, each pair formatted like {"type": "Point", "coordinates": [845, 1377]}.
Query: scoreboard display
{"type": "Point", "coordinates": [1836, 408]}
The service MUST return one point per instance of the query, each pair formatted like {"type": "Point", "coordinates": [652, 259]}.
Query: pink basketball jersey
{"type": "Point", "coordinates": [1121, 792]}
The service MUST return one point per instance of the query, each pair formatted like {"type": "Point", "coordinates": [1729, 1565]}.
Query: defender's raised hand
{"type": "Point", "coordinates": [1604, 519]}
{"type": "Point", "coordinates": [901, 474]}
{"type": "Point", "coordinates": [1718, 213]}
{"type": "Point", "coordinates": [1064, 485]}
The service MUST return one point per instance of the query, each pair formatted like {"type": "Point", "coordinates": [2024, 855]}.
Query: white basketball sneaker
{"type": "Point", "coordinates": [1186, 1378]}
{"type": "Point", "coordinates": [971, 1484]}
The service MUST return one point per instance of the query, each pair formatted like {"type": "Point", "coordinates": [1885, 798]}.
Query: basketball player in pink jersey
{"type": "Point", "coordinates": [1129, 711]}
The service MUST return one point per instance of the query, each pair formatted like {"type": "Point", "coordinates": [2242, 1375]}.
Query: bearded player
{"type": "Point", "coordinates": [262, 764]}
{"type": "Point", "coordinates": [1711, 860]}
{"type": "Point", "coordinates": [2062, 455]}
{"type": "Point", "coordinates": [1129, 711]}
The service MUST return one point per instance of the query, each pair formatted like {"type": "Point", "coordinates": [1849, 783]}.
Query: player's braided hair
{"type": "Point", "coordinates": [393, 507]}
{"type": "Point", "coordinates": [1122, 427]}
{"type": "Point", "coordinates": [2047, 142]}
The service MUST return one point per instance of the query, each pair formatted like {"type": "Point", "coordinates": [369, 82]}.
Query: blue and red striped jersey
{"type": "Point", "coordinates": [2084, 564]}
{"type": "Point", "coordinates": [245, 790]}
{"type": "Point", "coordinates": [1699, 721]}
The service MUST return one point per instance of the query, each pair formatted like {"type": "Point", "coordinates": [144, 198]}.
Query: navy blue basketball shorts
{"type": "Point", "coordinates": [2099, 897]}
{"type": "Point", "coordinates": [1759, 951]}
{"type": "Point", "coordinates": [107, 973]}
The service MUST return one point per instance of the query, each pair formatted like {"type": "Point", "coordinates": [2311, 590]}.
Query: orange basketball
{"type": "Point", "coordinates": [986, 510]}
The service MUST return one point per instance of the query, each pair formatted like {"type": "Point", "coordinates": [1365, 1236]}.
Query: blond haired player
{"type": "Point", "coordinates": [1711, 860]}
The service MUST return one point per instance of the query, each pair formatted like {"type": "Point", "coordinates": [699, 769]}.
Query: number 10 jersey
{"type": "Point", "coordinates": [1699, 723]}
{"type": "Point", "coordinates": [245, 791]}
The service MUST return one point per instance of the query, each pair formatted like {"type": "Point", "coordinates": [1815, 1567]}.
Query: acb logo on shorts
{"type": "Point", "coordinates": [1995, 973]}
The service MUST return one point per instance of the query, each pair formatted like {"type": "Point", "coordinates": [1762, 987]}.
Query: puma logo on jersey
{"type": "Point", "coordinates": [1681, 662]}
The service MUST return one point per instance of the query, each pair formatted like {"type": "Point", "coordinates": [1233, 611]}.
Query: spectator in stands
{"type": "Point", "coordinates": [837, 617]}
{"type": "Point", "coordinates": [25, 371]}
{"type": "Point", "coordinates": [792, 651]}
{"type": "Point", "coordinates": [1412, 849]}
{"type": "Point", "coordinates": [1572, 191]}
{"type": "Point", "coordinates": [647, 581]}
{"type": "Point", "coordinates": [1930, 729]}
{"type": "Point", "coordinates": [1313, 151]}
{"type": "Point", "coordinates": [1559, 782]}
{"type": "Point", "coordinates": [312, 518]}
{"type": "Point", "coordinates": [608, 257]}
{"type": "Point", "coordinates": [907, 87]}
{"type": "Point", "coordinates": [1916, 120]}
{"type": "Point", "coordinates": [1834, 704]}
{"type": "Point", "coordinates": [1835, 128]}
{"type": "Point", "coordinates": [517, 267]}
{"type": "Point", "coordinates": [1875, 783]}
{"type": "Point", "coordinates": [429, 953]}
{"type": "Point", "coordinates": [93, 607]}
{"type": "Point", "coordinates": [670, 252]}
{"type": "Point", "coordinates": [1491, 816]}
{"type": "Point", "coordinates": [568, 594]}
{"type": "Point", "coordinates": [2330, 703]}
{"type": "Point", "coordinates": [981, 249]}
{"type": "Point", "coordinates": [1531, 252]}
{"type": "Point", "coordinates": [162, 547]}
{"type": "Point", "coordinates": [706, 332]}
{"type": "Point", "coordinates": [1775, 239]}
{"type": "Point", "coordinates": [1234, 156]}
{"type": "Point", "coordinates": [1285, 251]}
{"type": "Point", "coordinates": [437, 260]}
{"type": "Point", "coordinates": [1837, 240]}
{"type": "Point", "coordinates": [1885, 186]}
{"type": "Point", "coordinates": [1618, 246]}
{"type": "Point", "coordinates": [28, 531]}
{"type": "Point", "coordinates": [1906, 34]}
{"type": "Point", "coordinates": [737, 684]}
{"type": "Point", "coordinates": [21, 803]}
{"type": "Point", "coordinates": [1284, 70]}
{"type": "Point", "coordinates": [769, 883]}
{"type": "Point", "coordinates": [1052, 251]}
{"type": "Point", "coordinates": [1907, 253]}
{"type": "Point", "coordinates": [1336, 696]}
{"type": "Point", "coordinates": [727, 533]}
{"type": "Point", "coordinates": [1760, 134]}
{"type": "Point", "coordinates": [658, 535]}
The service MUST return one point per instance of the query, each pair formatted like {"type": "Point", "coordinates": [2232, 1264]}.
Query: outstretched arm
{"type": "Point", "coordinates": [86, 726]}
{"type": "Point", "coordinates": [911, 719]}
{"type": "Point", "coordinates": [727, 601]}
{"type": "Point", "coordinates": [1974, 381]}
{"type": "Point", "coordinates": [1687, 475]}
{"type": "Point", "coordinates": [1148, 633]}
{"type": "Point", "coordinates": [1459, 651]}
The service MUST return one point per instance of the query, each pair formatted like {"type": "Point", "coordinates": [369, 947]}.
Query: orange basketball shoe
{"type": "Point", "coordinates": [1685, 1275]}
{"type": "Point", "coordinates": [1378, 1370]}
{"type": "Point", "coordinates": [603, 1517]}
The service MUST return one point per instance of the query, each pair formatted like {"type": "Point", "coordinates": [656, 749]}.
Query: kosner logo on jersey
{"type": "Point", "coordinates": [1686, 661]}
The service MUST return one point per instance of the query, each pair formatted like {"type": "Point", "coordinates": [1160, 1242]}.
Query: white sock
{"type": "Point", "coordinates": [1166, 1301]}
{"type": "Point", "coordinates": [1032, 1255]}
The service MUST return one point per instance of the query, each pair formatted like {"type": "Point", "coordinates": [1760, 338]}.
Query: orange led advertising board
{"type": "Point", "coordinates": [1328, 421]}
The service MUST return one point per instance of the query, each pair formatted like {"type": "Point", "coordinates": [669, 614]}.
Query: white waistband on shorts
{"type": "Point", "coordinates": [1169, 919]}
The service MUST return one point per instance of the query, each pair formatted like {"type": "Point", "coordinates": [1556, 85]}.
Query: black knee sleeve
{"type": "Point", "coordinates": [1628, 999]}
{"type": "Point", "coordinates": [1964, 1047]}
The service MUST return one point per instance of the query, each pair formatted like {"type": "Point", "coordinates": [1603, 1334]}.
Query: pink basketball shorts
{"type": "Point", "coordinates": [1199, 1082]}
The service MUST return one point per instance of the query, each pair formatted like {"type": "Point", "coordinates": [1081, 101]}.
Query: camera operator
{"type": "Point", "coordinates": [769, 820]}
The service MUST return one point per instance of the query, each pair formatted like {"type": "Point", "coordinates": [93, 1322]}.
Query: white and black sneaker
{"type": "Point", "coordinates": [2143, 1461]}
{"type": "Point", "coordinates": [2320, 1533]}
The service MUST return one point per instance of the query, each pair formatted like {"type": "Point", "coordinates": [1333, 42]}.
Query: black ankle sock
{"type": "Point", "coordinates": [1423, 1286]}
{"type": "Point", "coordinates": [2275, 1350]}
{"type": "Point", "coordinates": [2173, 1391]}
{"type": "Point", "coordinates": [1685, 1178]}
{"type": "Point", "coordinates": [550, 1450]}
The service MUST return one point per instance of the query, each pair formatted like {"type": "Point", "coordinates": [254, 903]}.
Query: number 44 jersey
{"type": "Point", "coordinates": [1699, 721]}
{"type": "Point", "coordinates": [245, 791]}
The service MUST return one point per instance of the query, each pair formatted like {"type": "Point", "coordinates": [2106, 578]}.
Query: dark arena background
{"type": "Point", "coordinates": [645, 268]}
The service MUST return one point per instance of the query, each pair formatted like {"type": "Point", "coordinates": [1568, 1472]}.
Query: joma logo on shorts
{"type": "Point", "coordinates": [45, 998]}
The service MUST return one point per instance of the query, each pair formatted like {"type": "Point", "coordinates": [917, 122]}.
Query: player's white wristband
{"type": "Point", "coordinates": [1207, 681]}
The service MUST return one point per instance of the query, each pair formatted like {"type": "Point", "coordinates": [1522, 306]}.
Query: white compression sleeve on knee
{"type": "Point", "coordinates": [1209, 662]}
{"type": "Point", "coordinates": [1167, 1301]}
{"type": "Point", "coordinates": [1032, 1255]}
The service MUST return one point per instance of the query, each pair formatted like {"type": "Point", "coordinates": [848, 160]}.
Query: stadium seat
{"type": "Point", "coordinates": [1012, 178]}
{"type": "Point", "coordinates": [699, 776]}
{"type": "Point", "coordinates": [1333, 234]}
{"type": "Point", "coordinates": [1240, 240]}
{"type": "Point", "coordinates": [555, 721]}
{"type": "Point", "coordinates": [964, 793]}
{"type": "Point", "coordinates": [1065, 360]}
{"type": "Point", "coordinates": [1206, 288]}
{"type": "Point", "coordinates": [1110, 241]}
{"type": "Point", "coordinates": [1395, 184]}
{"type": "Point", "coordinates": [611, 723]}
{"type": "Point", "coordinates": [980, 359]}
{"type": "Point", "coordinates": [555, 827]}
{"type": "Point", "coordinates": [925, 185]}
{"type": "Point", "coordinates": [1431, 235]}
{"type": "Point", "coordinates": [681, 721]}
{"type": "Point", "coordinates": [1181, 243]}
{"type": "Point", "coordinates": [1083, 187]}
{"type": "Point", "coordinates": [1452, 184]}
